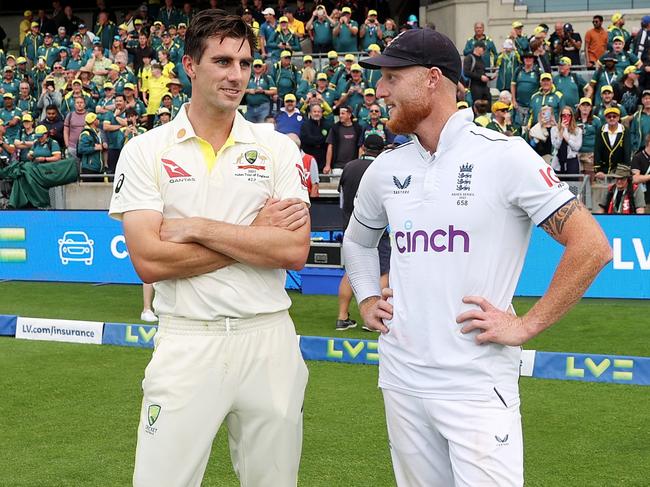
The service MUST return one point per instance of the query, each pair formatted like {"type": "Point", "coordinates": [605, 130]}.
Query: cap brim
{"type": "Point", "coordinates": [383, 61]}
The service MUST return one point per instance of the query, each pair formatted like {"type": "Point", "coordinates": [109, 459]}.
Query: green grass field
{"type": "Point", "coordinates": [68, 412]}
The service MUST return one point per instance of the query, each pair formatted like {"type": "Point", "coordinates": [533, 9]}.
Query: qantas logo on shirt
{"type": "Point", "coordinates": [439, 240]}
{"type": "Point", "coordinates": [175, 172]}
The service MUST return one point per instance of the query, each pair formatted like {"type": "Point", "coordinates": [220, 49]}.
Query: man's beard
{"type": "Point", "coordinates": [409, 115]}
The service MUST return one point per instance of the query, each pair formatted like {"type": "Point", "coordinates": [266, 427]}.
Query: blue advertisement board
{"type": "Point", "coordinates": [88, 246]}
{"type": "Point", "coordinates": [8, 325]}
{"type": "Point", "coordinates": [627, 276]}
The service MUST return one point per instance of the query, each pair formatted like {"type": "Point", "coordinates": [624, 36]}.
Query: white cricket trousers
{"type": "Point", "coordinates": [248, 372]}
{"type": "Point", "coordinates": [450, 443]}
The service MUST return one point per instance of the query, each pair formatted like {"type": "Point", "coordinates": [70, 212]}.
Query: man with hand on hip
{"type": "Point", "coordinates": [460, 201]}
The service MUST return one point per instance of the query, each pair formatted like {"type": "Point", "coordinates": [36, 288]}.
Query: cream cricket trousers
{"type": "Point", "coordinates": [248, 372]}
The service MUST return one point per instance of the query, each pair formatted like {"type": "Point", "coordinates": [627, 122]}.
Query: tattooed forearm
{"type": "Point", "coordinates": [555, 223]}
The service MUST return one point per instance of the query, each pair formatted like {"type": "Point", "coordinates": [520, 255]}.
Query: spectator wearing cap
{"type": "Point", "coordinates": [39, 72]}
{"type": "Point", "coordinates": [590, 127]}
{"type": "Point", "coordinates": [87, 37]}
{"type": "Point", "coordinates": [166, 102]}
{"type": "Point", "coordinates": [24, 28]}
{"type": "Point", "coordinates": [25, 101]}
{"type": "Point", "coordinates": [75, 60]}
{"type": "Point", "coordinates": [11, 116]}
{"type": "Point", "coordinates": [623, 197]}
{"type": "Point", "coordinates": [501, 121]}
{"type": "Point", "coordinates": [605, 75]}
{"type": "Point", "coordinates": [118, 52]}
{"type": "Point", "coordinates": [267, 35]}
{"type": "Point", "coordinates": [372, 75]}
{"type": "Point", "coordinates": [163, 116]}
{"type": "Point", "coordinates": [21, 72]}
{"type": "Point", "coordinates": [49, 96]}
{"type": "Point", "coordinates": [307, 77]}
{"type": "Point", "coordinates": [73, 124]}
{"type": "Point", "coordinates": [132, 129]}
{"type": "Point", "coordinates": [518, 37]}
{"type": "Point", "coordinates": [370, 31]}
{"type": "Point", "coordinates": [26, 137]}
{"type": "Point", "coordinates": [613, 146]}
{"type": "Point", "coordinates": [285, 38]}
{"type": "Point", "coordinates": [105, 29]}
{"type": "Point", "coordinates": [112, 123]}
{"type": "Point", "coordinates": [524, 84]}
{"type": "Point", "coordinates": [106, 103]}
{"type": "Point", "coordinates": [174, 53]}
{"type": "Point", "coordinates": [313, 134]}
{"type": "Point", "coordinates": [571, 44]}
{"type": "Point", "coordinates": [33, 40]}
{"type": "Point", "coordinates": [61, 38]}
{"type": "Point", "coordinates": [259, 93]}
{"type": "Point", "coordinates": [179, 39]}
{"type": "Point", "coordinates": [62, 58]}
{"type": "Point", "coordinates": [68, 102]}
{"type": "Point", "coordinates": [115, 78]}
{"type": "Point", "coordinates": [571, 85]}
{"type": "Point", "coordinates": [87, 84]}
{"type": "Point", "coordinates": [507, 63]}
{"type": "Point", "coordinates": [489, 49]}
{"type": "Point", "coordinates": [48, 50]}
{"type": "Point", "coordinates": [626, 91]}
{"type": "Point", "coordinates": [606, 101]}
{"type": "Point", "coordinates": [9, 83]}
{"type": "Point", "coordinates": [351, 91]}
{"type": "Point", "coordinates": [44, 148]}
{"type": "Point", "coordinates": [546, 96]}
{"type": "Point", "coordinates": [641, 171]}
{"type": "Point", "coordinates": [474, 71]}
{"type": "Point", "coordinates": [325, 91]}
{"type": "Point", "coordinates": [641, 42]}
{"type": "Point", "coordinates": [247, 16]}
{"type": "Point", "coordinates": [286, 77]}
{"type": "Point", "coordinates": [289, 119]}
{"type": "Point", "coordinates": [374, 125]}
{"type": "Point", "coordinates": [616, 29]}
{"type": "Point", "coordinates": [596, 40]}
{"type": "Point", "coordinates": [342, 141]}
{"type": "Point", "coordinates": [623, 58]}
{"type": "Point", "coordinates": [58, 75]}
{"type": "Point", "coordinates": [362, 112]}
{"type": "Point", "coordinates": [155, 34]}
{"type": "Point", "coordinates": [319, 28]}
{"type": "Point", "coordinates": [640, 123]}
{"type": "Point", "coordinates": [345, 32]}
{"type": "Point", "coordinates": [91, 146]}
{"type": "Point", "coordinates": [169, 15]}
{"type": "Point", "coordinates": [133, 102]}
{"type": "Point", "coordinates": [333, 68]}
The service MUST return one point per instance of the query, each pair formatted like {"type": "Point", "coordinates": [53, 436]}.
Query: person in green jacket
{"type": "Point", "coordinates": [479, 36]}
{"type": "Point", "coordinates": [617, 29]}
{"type": "Point", "coordinates": [640, 124]}
{"type": "Point", "coordinates": [607, 100]}
{"type": "Point", "coordinates": [591, 127]}
{"type": "Point", "coordinates": [507, 63]}
{"type": "Point", "coordinates": [571, 85]}
{"type": "Point", "coordinates": [546, 96]}
{"type": "Point", "coordinates": [26, 137]}
{"type": "Point", "coordinates": [44, 148]}
{"type": "Point", "coordinates": [501, 121]}
{"type": "Point", "coordinates": [91, 146]}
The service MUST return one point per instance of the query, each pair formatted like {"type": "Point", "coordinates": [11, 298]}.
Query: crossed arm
{"type": "Point", "coordinates": [163, 249]}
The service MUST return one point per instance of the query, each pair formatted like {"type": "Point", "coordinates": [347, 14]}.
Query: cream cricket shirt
{"type": "Point", "coordinates": [171, 170]}
{"type": "Point", "coordinates": [460, 224]}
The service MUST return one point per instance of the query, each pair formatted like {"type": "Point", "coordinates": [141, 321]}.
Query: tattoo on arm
{"type": "Point", "coordinates": [554, 224]}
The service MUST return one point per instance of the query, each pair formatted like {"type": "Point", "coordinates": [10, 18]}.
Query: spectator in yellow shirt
{"type": "Point", "coordinates": [156, 88]}
{"type": "Point", "coordinates": [25, 26]}
{"type": "Point", "coordinates": [295, 25]}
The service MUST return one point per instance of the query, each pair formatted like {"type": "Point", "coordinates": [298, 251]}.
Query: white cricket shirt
{"type": "Point", "coordinates": [171, 170]}
{"type": "Point", "coordinates": [460, 225]}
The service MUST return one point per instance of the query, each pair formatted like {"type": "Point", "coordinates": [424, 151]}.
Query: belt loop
{"type": "Point", "coordinates": [227, 324]}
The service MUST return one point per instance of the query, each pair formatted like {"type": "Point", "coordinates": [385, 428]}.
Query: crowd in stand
{"type": "Point", "coordinates": [83, 91]}
{"type": "Point", "coordinates": [596, 125]}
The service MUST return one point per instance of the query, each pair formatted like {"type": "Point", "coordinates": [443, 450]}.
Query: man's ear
{"type": "Point", "coordinates": [189, 65]}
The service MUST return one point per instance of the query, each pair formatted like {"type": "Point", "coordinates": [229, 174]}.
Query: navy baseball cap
{"type": "Point", "coordinates": [419, 47]}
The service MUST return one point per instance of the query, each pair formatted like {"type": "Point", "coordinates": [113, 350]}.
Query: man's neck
{"type": "Point", "coordinates": [429, 130]}
{"type": "Point", "coordinates": [210, 124]}
{"type": "Point", "coordinates": [347, 124]}
{"type": "Point", "coordinates": [646, 110]}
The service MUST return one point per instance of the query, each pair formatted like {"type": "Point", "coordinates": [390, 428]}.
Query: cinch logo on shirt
{"type": "Point", "coordinates": [175, 172]}
{"type": "Point", "coordinates": [439, 240]}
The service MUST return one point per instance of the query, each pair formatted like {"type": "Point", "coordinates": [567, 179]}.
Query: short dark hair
{"type": "Point", "coordinates": [120, 95]}
{"type": "Point", "coordinates": [219, 24]}
{"type": "Point", "coordinates": [599, 17]}
{"type": "Point", "coordinates": [130, 112]}
{"type": "Point", "coordinates": [52, 107]}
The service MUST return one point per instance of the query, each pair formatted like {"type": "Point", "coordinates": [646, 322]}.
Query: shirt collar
{"type": "Point", "coordinates": [619, 129]}
{"type": "Point", "coordinates": [460, 120]}
{"type": "Point", "coordinates": [183, 130]}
